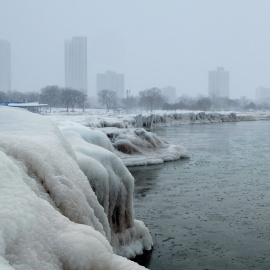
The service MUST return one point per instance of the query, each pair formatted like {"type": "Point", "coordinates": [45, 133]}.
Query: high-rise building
{"type": "Point", "coordinates": [76, 64]}
{"type": "Point", "coordinates": [5, 66]}
{"type": "Point", "coordinates": [170, 93]}
{"type": "Point", "coordinates": [263, 94]}
{"type": "Point", "coordinates": [111, 81]}
{"type": "Point", "coordinates": [219, 83]}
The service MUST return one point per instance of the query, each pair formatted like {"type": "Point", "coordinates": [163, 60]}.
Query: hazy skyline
{"type": "Point", "coordinates": [153, 42]}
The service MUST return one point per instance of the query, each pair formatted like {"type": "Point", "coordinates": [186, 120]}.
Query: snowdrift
{"type": "Point", "coordinates": [140, 147]}
{"type": "Point", "coordinates": [51, 218]}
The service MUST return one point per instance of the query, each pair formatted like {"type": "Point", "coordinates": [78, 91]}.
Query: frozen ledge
{"type": "Point", "coordinates": [137, 147]}
{"type": "Point", "coordinates": [66, 198]}
{"type": "Point", "coordinates": [161, 119]}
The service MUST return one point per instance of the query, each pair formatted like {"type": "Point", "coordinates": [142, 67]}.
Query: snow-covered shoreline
{"type": "Point", "coordinates": [100, 119]}
{"type": "Point", "coordinates": [66, 198]}
{"type": "Point", "coordinates": [136, 146]}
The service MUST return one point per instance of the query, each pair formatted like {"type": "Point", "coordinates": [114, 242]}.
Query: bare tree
{"type": "Point", "coordinates": [15, 96]}
{"type": "Point", "coordinates": [151, 98]}
{"type": "Point", "coordinates": [82, 99]}
{"type": "Point", "coordinates": [244, 102]}
{"type": "Point", "coordinates": [108, 98]}
{"type": "Point", "coordinates": [32, 96]}
{"type": "Point", "coordinates": [50, 95]}
{"type": "Point", "coordinates": [69, 98]}
{"type": "Point", "coordinates": [204, 104]}
{"type": "Point", "coordinates": [3, 97]}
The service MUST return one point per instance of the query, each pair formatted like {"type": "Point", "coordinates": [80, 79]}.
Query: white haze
{"type": "Point", "coordinates": [153, 42]}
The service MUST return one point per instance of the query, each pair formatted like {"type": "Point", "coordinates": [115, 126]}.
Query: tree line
{"type": "Point", "coordinates": [52, 95]}
{"type": "Point", "coordinates": [216, 104]}
{"type": "Point", "coordinates": [152, 98]}
{"type": "Point", "coordinates": [149, 99]}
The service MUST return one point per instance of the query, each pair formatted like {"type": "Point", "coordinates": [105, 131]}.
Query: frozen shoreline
{"type": "Point", "coordinates": [66, 198]}
{"type": "Point", "coordinates": [100, 119]}
{"type": "Point", "coordinates": [136, 146]}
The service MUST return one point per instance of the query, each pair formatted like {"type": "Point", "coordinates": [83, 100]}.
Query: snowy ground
{"type": "Point", "coordinates": [66, 199]}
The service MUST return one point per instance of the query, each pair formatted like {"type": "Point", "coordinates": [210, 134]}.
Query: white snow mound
{"type": "Point", "coordinates": [50, 217]}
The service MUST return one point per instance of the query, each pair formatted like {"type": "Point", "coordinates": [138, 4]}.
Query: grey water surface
{"type": "Point", "coordinates": [211, 211]}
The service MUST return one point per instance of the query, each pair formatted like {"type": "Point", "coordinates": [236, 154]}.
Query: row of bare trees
{"type": "Point", "coordinates": [149, 99]}
{"type": "Point", "coordinates": [52, 95]}
{"type": "Point", "coordinates": [152, 98]}
{"type": "Point", "coordinates": [207, 104]}
{"type": "Point", "coordinates": [55, 96]}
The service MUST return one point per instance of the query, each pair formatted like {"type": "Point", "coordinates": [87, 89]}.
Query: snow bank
{"type": "Point", "coordinates": [139, 147]}
{"type": "Point", "coordinates": [50, 216]}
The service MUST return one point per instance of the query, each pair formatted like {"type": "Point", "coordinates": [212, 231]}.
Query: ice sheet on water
{"type": "Point", "coordinates": [50, 216]}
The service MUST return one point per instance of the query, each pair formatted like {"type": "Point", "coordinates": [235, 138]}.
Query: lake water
{"type": "Point", "coordinates": [211, 211]}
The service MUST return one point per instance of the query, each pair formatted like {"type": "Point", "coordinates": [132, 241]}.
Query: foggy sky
{"type": "Point", "coordinates": [153, 42]}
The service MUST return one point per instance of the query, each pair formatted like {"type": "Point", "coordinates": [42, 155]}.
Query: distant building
{"type": "Point", "coordinates": [5, 66]}
{"type": "Point", "coordinates": [263, 94]}
{"type": "Point", "coordinates": [170, 93]}
{"type": "Point", "coordinates": [111, 81]}
{"type": "Point", "coordinates": [219, 83]}
{"type": "Point", "coordinates": [76, 64]}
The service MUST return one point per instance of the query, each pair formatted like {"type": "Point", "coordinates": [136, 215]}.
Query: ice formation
{"type": "Point", "coordinates": [111, 182]}
{"type": "Point", "coordinates": [157, 119]}
{"type": "Point", "coordinates": [50, 217]}
{"type": "Point", "coordinates": [140, 147]}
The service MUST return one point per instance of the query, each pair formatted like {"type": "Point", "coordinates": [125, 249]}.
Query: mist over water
{"type": "Point", "coordinates": [212, 211]}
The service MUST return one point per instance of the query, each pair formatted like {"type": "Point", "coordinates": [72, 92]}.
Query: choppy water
{"type": "Point", "coordinates": [213, 210]}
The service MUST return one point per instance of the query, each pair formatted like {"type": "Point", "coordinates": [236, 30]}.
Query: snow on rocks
{"type": "Point", "coordinates": [159, 118]}
{"type": "Point", "coordinates": [151, 120]}
{"type": "Point", "coordinates": [50, 217]}
{"type": "Point", "coordinates": [113, 185]}
{"type": "Point", "coordinates": [139, 147]}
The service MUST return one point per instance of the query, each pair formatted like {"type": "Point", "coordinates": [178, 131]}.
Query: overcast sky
{"type": "Point", "coordinates": [153, 42]}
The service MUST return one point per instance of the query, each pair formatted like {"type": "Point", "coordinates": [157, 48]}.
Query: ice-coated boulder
{"type": "Point", "coordinates": [50, 217]}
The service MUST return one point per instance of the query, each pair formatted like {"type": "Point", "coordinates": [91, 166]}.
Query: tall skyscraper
{"type": "Point", "coordinates": [111, 81]}
{"type": "Point", "coordinates": [5, 66]}
{"type": "Point", "coordinates": [218, 83]}
{"type": "Point", "coordinates": [76, 63]}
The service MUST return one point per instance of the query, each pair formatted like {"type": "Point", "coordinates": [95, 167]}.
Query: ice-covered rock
{"type": "Point", "coordinates": [140, 147]}
{"type": "Point", "coordinates": [50, 217]}
{"type": "Point", "coordinates": [113, 185]}
{"type": "Point", "coordinates": [150, 120]}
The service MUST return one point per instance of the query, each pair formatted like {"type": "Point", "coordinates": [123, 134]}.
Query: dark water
{"type": "Point", "coordinates": [213, 210]}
